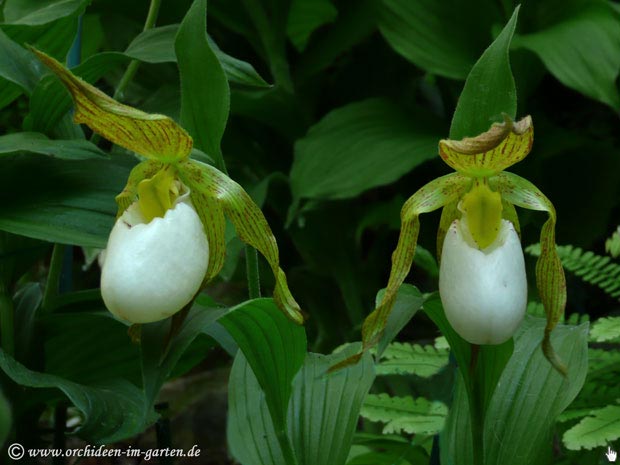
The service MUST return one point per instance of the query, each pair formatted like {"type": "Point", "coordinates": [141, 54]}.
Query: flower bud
{"type": "Point", "coordinates": [153, 269]}
{"type": "Point", "coordinates": [484, 292]}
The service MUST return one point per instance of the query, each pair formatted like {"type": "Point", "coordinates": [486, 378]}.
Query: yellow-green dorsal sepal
{"type": "Point", "coordinates": [489, 153]}
{"type": "Point", "coordinates": [151, 135]}
{"type": "Point", "coordinates": [156, 195]}
{"type": "Point", "coordinates": [482, 209]}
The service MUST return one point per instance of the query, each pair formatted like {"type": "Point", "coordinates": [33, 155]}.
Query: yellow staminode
{"type": "Point", "coordinates": [157, 195]}
{"type": "Point", "coordinates": [483, 208]}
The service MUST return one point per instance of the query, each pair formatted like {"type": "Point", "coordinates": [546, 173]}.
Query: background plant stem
{"type": "Point", "coordinates": [53, 277]}
{"type": "Point", "coordinates": [476, 412]}
{"type": "Point", "coordinates": [7, 316]}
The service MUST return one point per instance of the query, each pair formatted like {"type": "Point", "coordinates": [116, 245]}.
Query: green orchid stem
{"type": "Point", "coordinates": [275, 51]}
{"type": "Point", "coordinates": [53, 277]}
{"type": "Point", "coordinates": [476, 411]}
{"type": "Point", "coordinates": [7, 326]}
{"type": "Point", "coordinates": [130, 72]}
{"type": "Point", "coordinates": [251, 267]}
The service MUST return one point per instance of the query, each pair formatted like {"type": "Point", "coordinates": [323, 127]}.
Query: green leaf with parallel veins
{"type": "Point", "coordinates": [596, 430]}
{"type": "Point", "coordinates": [157, 46]}
{"type": "Point", "coordinates": [37, 143]}
{"type": "Point", "coordinates": [205, 96]}
{"type": "Point", "coordinates": [360, 146]}
{"type": "Point", "coordinates": [328, 402]}
{"type": "Point", "coordinates": [305, 16]}
{"type": "Point", "coordinates": [477, 108]}
{"type": "Point", "coordinates": [589, 66]}
{"type": "Point", "coordinates": [18, 65]}
{"type": "Point", "coordinates": [275, 348]}
{"type": "Point", "coordinates": [70, 202]}
{"type": "Point", "coordinates": [442, 38]}
{"type": "Point", "coordinates": [405, 414]}
{"type": "Point", "coordinates": [36, 12]}
{"type": "Point", "coordinates": [113, 409]}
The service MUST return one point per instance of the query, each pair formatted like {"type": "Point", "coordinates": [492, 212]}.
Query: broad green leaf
{"type": "Point", "coordinates": [442, 38]}
{"type": "Point", "coordinates": [205, 96]}
{"type": "Point", "coordinates": [598, 429]}
{"type": "Point", "coordinates": [108, 356]}
{"type": "Point", "coordinates": [36, 12]}
{"type": "Point", "coordinates": [430, 197]}
{"type": "Point", "coordinates": [412, 359]}
{"type": "Point", "coordinates": [360, 146]}
{"type": "Point", "coordinates": [477, 108]}
{"type": "Point", "coordinates": [329, 403]}
{"type": "Point", "coordinates": [275, 348]}
{"type": "Point", "coordinates": [151, 135]}
{"type": "Point", "coordinates": [55, 38]}
{"type": "Point", "coordinates": [531, 394]}
{"type": "Point", "coordinates": [455, 441]}
{"type": "Point", "coordinates": [605, 329]}
{"type": "Point", "coordinates": [5, 419]}
{"type": "Point", "coordinates": [113, 410]}
{"type": "Point", "coordinates": [405, 414]}
{"type": "Point", "coordinates": [408, 301]}
{"type": "Point", "coordinates": [18, 65]}
{"type": "Point", "coordinates": [157, 46]}
{"type": "Point", "coordinates": [550, 278]}
{"type": "Point", "coordinates": [249, 221]}
{"type": "Point", "coordinates": [70, 202]}
{"type": "Point", "coordinates": [589, 66]}
{"type": "Point", "coordinates": [161, 350]}
{"type": "Point", "coordinates": [305, 16]}
{"type": "Point", "coordinates": [38, 143]}
{"type": "Point", "coordinates": [490, 152]}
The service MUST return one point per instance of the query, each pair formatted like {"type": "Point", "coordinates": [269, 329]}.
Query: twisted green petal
{"type": "Point", "coordinates": [550, 278]}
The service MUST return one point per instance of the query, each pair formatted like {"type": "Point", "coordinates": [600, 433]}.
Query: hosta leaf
{"type": "Point", "coordinates": [360, 146]}
{"type": "Point", "coordinates": [550, 278]}
{"type": "Point", "coordinates": [154, 136]}
{"type": "Point", "coordinates": [328, 402]}
{"type": "Point", "coordinates": [305, 16]}
{"type": "Point", "coordinates": [591, 70]}
{"type": "Point", "coordinates": [249, 221]}
{"type": "Point", "coordinates": [38, 143]}
{"type": "Point", "coordinates": [34, 13]}
{"type": "Point", "coordinates": [205, 95]}
{"type": "Point", "coordinates": [414, 359]}
{"type": "Point", "coordinates": [405, 414]}
{"type": "Point", "coordinates": [275, 348]}
{"type": "Point", "coordinates": [605, 329]}
{"type": "Point", "coordinates": [157, 46]}
{"type": "Point", "coordinates": [477, 108]}
{"type": "Point", "coordinates": [442, 38]}
{"type": "Point", "coordinates": [596, 430]}
{"type": "Point", "coordinates": [70, 202]}
{"type": "Point", "coordinates": [113, 410]}
{"type": "Point", "coordinates": [432, 196]}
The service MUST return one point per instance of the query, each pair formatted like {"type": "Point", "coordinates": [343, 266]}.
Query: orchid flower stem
{"type": "Point", "coordinates": [251, 267]}
{"type": "Point", "coordinates": [476, 412]}
{"type": "Point", "coordinates": [53, 277]}
{"type": "Point", "coordinates": [7, 316]}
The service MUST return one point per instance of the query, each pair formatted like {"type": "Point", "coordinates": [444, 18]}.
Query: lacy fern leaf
{"type": "Point", "coordinates": [592, 268]}
{"type": "Point", "coordinates": [412, 359]}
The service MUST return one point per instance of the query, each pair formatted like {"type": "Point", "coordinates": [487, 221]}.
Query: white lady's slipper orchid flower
{"type": "Point", "coordinates": [483, 291]}
{"type": "Point", "coordinates": [153, 269]}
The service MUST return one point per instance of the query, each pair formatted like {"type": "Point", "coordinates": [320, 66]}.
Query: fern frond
{"type": "Point", "coordinates": [592, 268]}
{"type": "Point", "coordinates": [405, 414]}
{"type": "Point", "coordinates": [612, 245]}
{"type": "Point", "coordinates": [598, 429]}
{"type": "Point", "coordinates": [412, 359]}
{"type": "Point", "coordinates": [606, 330]}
